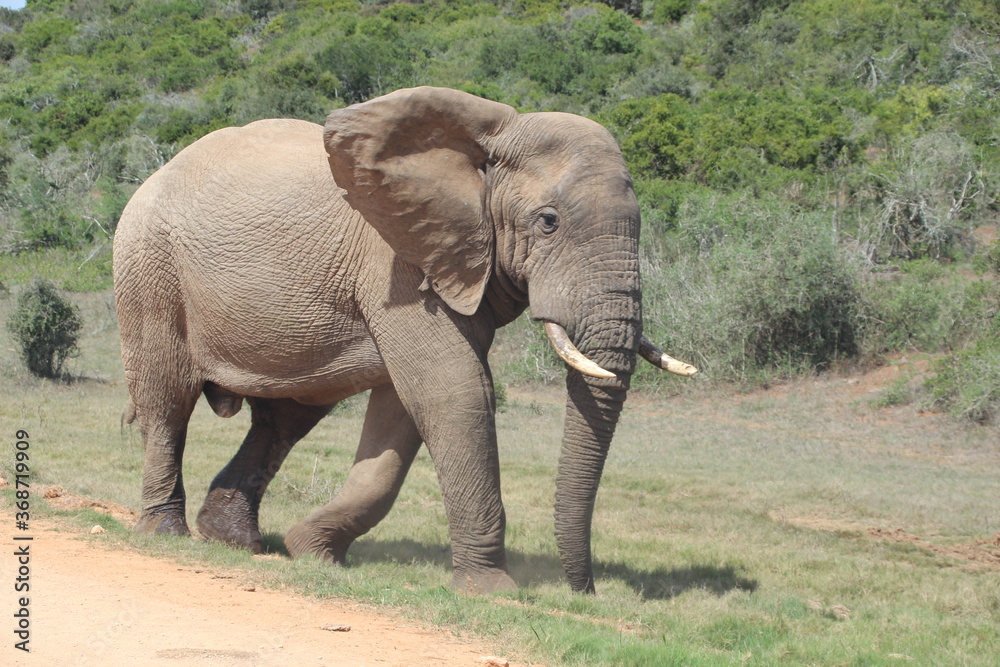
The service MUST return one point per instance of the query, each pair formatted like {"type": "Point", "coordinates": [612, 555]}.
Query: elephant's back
{"type": "Point", "coordinates": [261, 194]}
{"type": "Point", "coordinates": [251, 233]}
{"type": "Point", "coordinates": [277, 167]}
{"type": "Point", "coordinates": [240, 180]}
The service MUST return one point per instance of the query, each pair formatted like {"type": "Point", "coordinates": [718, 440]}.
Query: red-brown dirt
{"type": "Point", "coordinates": [94, 605]}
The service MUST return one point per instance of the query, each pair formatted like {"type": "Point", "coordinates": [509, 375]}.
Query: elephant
{"type": "Point", "coordinates": [292, 265]}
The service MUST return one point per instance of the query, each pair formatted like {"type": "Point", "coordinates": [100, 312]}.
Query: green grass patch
{"type": "Point", "coordinates": [730, 528]}
{"type": "Point", "coordinates": [77, 270]}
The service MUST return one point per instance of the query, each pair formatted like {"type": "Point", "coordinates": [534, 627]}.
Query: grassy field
{"type": "Point", "coordinates": [806, 524]}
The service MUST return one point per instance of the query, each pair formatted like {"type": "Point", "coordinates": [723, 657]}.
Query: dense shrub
{"type": "Point", "coordinates": [666, 11]}
{"type": "Point", "coordinates": [655, 134]}
{"type": "Point", "coordinates": [583, 54]}
{"type": "Point", "coordinates": [366, 66]}
{"type": "Point", "coordinates": [967, 383]}
{"type": "Point", "coordinates": [46, 327]}
{"type": "Point", "coordinates": [765, 290]}
{"type": "Point", "coordinates": [930, 192]}
{"type": "Point", "coordinates": [731, 138]}
{"type": "Point", "coordinates": [910, 307]}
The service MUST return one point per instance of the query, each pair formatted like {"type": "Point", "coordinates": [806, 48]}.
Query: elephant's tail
{"type": "Point", "coordinates": [129, 415]}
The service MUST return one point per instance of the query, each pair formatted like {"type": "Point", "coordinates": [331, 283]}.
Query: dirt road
{"type": "Point", "coordinates": [90, 605]}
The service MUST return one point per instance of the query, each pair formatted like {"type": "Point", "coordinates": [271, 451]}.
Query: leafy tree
{"type": "Point", "coordinates": [606, 32]}
{"type": "Point", "coordinates": [668, 11]}
{"type": "Point", "coordinates": [38, 35]}
{"type": "Point", "coordinates": [582, 55]}
{"type": "Point", "coordinates": [656, 135]}
{"type": "Point", "coordinates": [366, 64]}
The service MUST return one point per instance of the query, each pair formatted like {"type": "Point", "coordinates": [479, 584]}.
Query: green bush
{"type": "Point", "coordinates": [584, 54]}
{"type": "Point", "coordinates": [366, 66]}
{"type": "Point", "coordinates": [655, 134]}
{"type": "Point", "coordinates": [762, 289]}
{"type": "Point", "coordinates": [669, 11]}
{"type": "Point", "coordinates": [967, 383]}
{"type": "Point", "coordinates": [46, 327]}
{"type": "Point", "coordinates": [931, 192]}
{"type": "Point", "coordinates": [924, 307]}
{"type": "Point", "coordinates": [800, 305]}
{"type": "Point", "coordinates": [53, 227]}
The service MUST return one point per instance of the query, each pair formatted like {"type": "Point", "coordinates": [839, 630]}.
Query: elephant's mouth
{"type": "Point", "coordinates": [571, 355]}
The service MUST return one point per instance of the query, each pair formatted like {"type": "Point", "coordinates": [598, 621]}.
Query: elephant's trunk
{"type": "Point", "coordinates": [592, 409]}
{"type": "Point", "coordinates": [594, 403]}
{"type": "Point", "coordinates": [591, 417]}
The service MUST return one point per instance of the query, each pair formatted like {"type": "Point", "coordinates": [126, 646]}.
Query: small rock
{"type": "Point", "coordinates": [493, 661]}
{"type": "Point", "coordinates": [250, 589]}
{"type": "Point", "coordinates": [337, 628]}
{"type": "Point", "coordinates": [97, 530]}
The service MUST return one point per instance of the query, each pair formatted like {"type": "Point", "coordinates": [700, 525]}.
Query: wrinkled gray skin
{"type": "Point", "coordinates": [255, 266]}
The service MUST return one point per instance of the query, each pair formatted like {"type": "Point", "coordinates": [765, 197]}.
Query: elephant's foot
{"type": "Point", "coordinates": [163, 521]}
{"type": "Point", "coordinates": [228, 516]}
{"type": "Point", "coordinates": [484, 580]}
{"type": "Point", "coordinates": [306, 537]}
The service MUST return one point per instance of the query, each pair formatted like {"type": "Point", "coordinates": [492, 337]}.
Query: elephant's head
{"type": "Point", "coordinates": [503, 207]}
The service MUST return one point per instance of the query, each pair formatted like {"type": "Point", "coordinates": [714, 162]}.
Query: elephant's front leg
{"type": "Point", "coordinates": [389, 442]}
{"type": "Point", "coordinates": [461, 438]}
{"type": "Point", "coordinates": [446, 386]}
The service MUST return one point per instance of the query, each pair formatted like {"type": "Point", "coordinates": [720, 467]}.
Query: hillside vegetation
{"type": "Point", "coordinates": [818, 177]}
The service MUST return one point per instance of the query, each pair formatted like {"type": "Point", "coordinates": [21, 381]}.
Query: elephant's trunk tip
{"type": "Point", "coordinates": [658, 358]}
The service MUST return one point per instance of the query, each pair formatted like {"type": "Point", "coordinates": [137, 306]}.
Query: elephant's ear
{"type": "Point", "coordinates": [413, 164]}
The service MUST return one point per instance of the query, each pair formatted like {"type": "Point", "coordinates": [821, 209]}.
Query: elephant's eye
{"type": "Point", "coordinates": [549, 222]}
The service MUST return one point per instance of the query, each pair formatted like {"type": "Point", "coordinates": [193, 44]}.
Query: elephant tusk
{"type": "Point", "coordinates": [572, 356]}
{"type": "Point", "coordinates": [655, 356]}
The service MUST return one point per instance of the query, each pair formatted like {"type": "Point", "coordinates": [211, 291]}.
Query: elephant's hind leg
{"type": "Point", "coordinates": [389, 442]}
{"type": "Point", "coordinates": [164, 429]}
{"type": "Point", "coordinates": [230, 512]}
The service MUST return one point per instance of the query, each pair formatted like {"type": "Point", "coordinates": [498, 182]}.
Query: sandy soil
{"type": "Point", "coordinates": [90, 605]}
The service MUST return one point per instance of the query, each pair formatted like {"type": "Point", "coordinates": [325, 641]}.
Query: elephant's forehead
{"type": "Point", "coordinates": [568, 135]}
{"type": "Point", "coordinates": [571, 153]}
